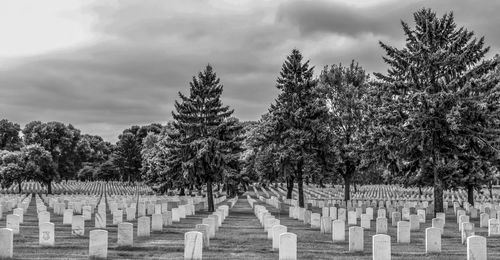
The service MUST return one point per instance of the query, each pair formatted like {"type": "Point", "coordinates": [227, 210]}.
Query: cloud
{"type": "Point", "coordinates": [145, 52]}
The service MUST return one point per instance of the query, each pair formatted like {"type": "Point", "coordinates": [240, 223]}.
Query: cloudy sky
{"type": "Point", "coordinates": [106, 65]}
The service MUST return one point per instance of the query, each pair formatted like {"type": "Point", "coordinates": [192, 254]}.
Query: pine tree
{"type": "Point", "coordinates": [205, 139]}
{"type": "Point", "coordinates": [296, 118]}
{"type": "Point", "coordinates": [424, 84]}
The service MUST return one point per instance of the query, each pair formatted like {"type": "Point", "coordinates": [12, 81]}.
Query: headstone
{"type": "Point", "coordinates": [476, 248]}
{"type": "Point", "coordinates": [381, 225]}
{"type": "Point", "coordinates": [326, 225]}
{"type": "Point", "coordinates": [438, 223]}
{"type": "Point", "coordinates": [211, 226]}
{"type": "Point", "coordinates": [98, 244]}
{"type": "Point", "coordinates": [204, 229]}
{"type": "Point", "coordinates": [381, 246]}
{"type": "Point", "coordinates": [403, 232]}
{"type": "Point", "coordinates": [421, 215]}
{"type": "Point", "coordinates": [338, 230]}
{"type": "Point", "coordinates": [432, 240]}
{"type": "Point", "coordinates": [462, 219]}
{"type": "Point", "coordinates": [341, 214]}
{"type": "Point", "coordinates": [143, 227]}
{"type": "Point", "coordinates": [175, 215]}
{"type": "Point", "coordinates": [125, 234]}
{"type": "Point", "coordinates": [130, 214]}
{"type": "Point", "coordinates": [117, 217]}
{"type": "Point", "coordinates": [20, 213]}
{"type": "Point", "coordinates": [351, 218]}
{"type": "Point", "coordinates": [483, 220]}
{"type": "Point", "coordinates": [157, 222]}
{"type": "Point", "coordinates": [277, 230]}
{"type": "Point", "coordinates": [467, 231]}
{"type": "Point", "coordinates": [356, 240]}
{"type": "Point", "coordinates": [167, 218]}
{"type": "Point", "coordinates": [46, 234]}
{"type": "Point", "coordinates": [493, 227]}
{"type": "Point", "coordinates": [68, 217]}
{"type": "Point", "coordinates": [100, 220]}
{"type": "Point", "coordinates": [414, 222]}
{"type": "Point", "coordinates": [87, 212]}
{"type": "Point", "coordinates": [6, 243]}
{"type": "Point", "coordinates": [43, 217]}
{"type": "Point", "coordinates": [193, 245]}
{"type": "Point", "coordinates": [333, 213]}
{"type": "Point", "coordinates": [365, 221]}
{"type": "Point", "coordinates": [396, 217]}
{"type": "Point", "coordinates": [315, 220]}
{"type": "Point", "coordinates": [13, 223]}
{"type": "Point", "coordinates": [78, 226]}
{"type": "Point", "coordinates": [288, 246]}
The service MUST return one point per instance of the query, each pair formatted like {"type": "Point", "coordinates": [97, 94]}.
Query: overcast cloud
{"type": "Point", "coordinates": [145, 52]}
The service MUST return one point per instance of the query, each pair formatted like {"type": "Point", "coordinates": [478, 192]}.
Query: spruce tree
{"type": "Point", "coordinates": [204, 140]}
{"type": "Point", "coordinates": [424, 84]}
{"type": "Point", "coordinates": [297, 116]}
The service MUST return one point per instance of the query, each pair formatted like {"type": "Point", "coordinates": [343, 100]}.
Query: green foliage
{"type": "Point", "coordinates": [9, 136]}
{"type": "Point", "coordinates": [428, 82]}
{"type": "Point", "coordinates": [346, 90]}
{"type": "Point", "coordinates": [205, 140]}
{"type": "Point", "coordinates": [61, 141]}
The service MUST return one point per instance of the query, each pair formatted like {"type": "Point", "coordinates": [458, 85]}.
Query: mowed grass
{"type": "Point", "coordinates": [240, 237]}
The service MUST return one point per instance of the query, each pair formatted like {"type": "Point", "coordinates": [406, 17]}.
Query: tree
{"type": "Point", "coordinates": [61, 142]}
{"type": "Point", "coordinates": [204, 139]}
{"type": "Point", "coordinates": [39, 165]}
{"type": "Point", "coordinates": [127, 157]}
{"type": "Point", "coordinates": [426, 82]}
{"type": "Point", "coordinates": [345, 89]}
{"type": "Point", "coordinates": [296, 118]}
{"type": "Point", "coordinates": [9, 136]}
{"type": "Point", "coordinates": [12, 169]}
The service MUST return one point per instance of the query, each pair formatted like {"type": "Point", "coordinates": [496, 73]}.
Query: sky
{"type": "Point", "coordinates": [104, 66]}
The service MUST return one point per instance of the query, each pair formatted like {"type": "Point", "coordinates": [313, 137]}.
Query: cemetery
{"type": "Point", "coordinates": [345, 162]}
{"type": "Point", "coordinates": [388, 222]}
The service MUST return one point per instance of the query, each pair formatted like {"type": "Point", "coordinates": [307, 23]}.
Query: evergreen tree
{"type": "Point", "coordinates": [425, 84]}
{"type": "Point", "coordinates": [296, 118]}
{"type": "Point", "coordinates": [205, 139]}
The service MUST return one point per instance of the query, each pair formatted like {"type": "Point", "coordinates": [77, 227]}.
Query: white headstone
{"type": "Point", "coordinates": [6, 243]}
{"type": "Point", "coordinates": [356, 239]}
{"type": "Point", "coordinates": [143, 226]}
{"type": "Point", "coordinates": [46, 234]}
{"type": "Point", "coordinates": [13, 223]}
{"type": "Point", "coordinates": [98, 244]}
{"type": "Point", "coordinates": [68, 217]}
{"type": "Point", "coordinates": [476, 248]}
{"type": "Point", "coordinates": [338, 230]}
{"type": "Point", "coordinates": [193, 245]}
{"type": "Point", "coordinates": [277, 231]}
{"type": "Point", "coordinates": [403, 232]}
{"type": "Point", "coordinates": [100, 220]}
{"type": "Point", "coordinates": [204, 229]}
{"type": "Point", "coordinates": [493, 227]}
{"type": "Point", "coordinates": [157, 222]}
{"type": "Point", "coordinates": [78, 226]}
{"type": "Point", "coordinates": [381, 225]}
{"type": "Point", "coordinates": [432, 240]}
{"type": "Point", "coordinates": [125, 234]}
{"type": "Point", "coordinates": [381, 247]}
{"type": "Point", "coordinates": [288, 246]}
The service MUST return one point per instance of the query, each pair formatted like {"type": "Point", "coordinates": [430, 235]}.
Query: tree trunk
{"type": "Point", "coordinates": [49, 187]}
{"type": "Point", "coordinates": [300, 184]}
{"type": "Point", "coordinates": [347, 187]}
{"type": "Point", "coordinates": [20, 188]}
{"type": "Point", "coordinates": [438, 193]}
{"type": "Point", "coordinates": [355, 187]}
{"type": "Point", "coordinates": [490, 189]}
{"type": "Point", "coordinates": [182, 192]}
{"type": "Point", "coordinates": [210, 197]}
{"type": "Point", "coordinates": [420, 190]}
{"type": "Point", "coordinates": [470, 194]}
{"type": "Point", "coordinates": [289, 187]}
